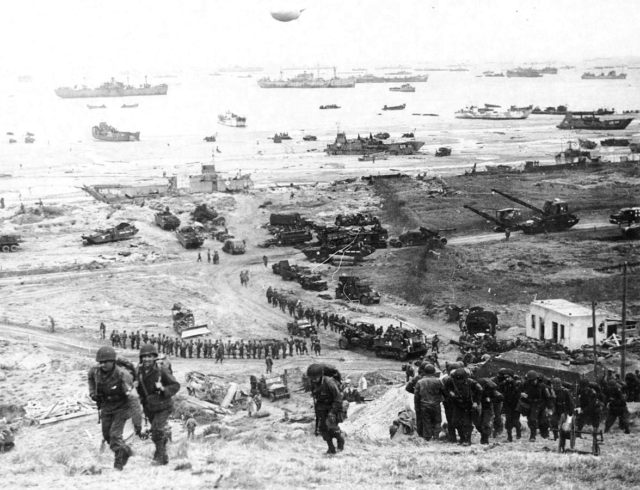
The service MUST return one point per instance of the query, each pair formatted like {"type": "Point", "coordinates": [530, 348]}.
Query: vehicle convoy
{"type": "Point", "coordinates": [190, 237]}
{"type": "Point", "coordinates": [10, 243]}
{"type": "Point", "coordinates": [421, 236]}
{"type": "Point", "coordinates": [351, 289]}
{"type": "Point", "coordinates": [400, 343]}
{"type": "Point", "coordinates": [505, 219]}
{"type": "Point", "coordinates": [304, 276]}
{"type": "Point", "coordinates": [123, 231]}
{"type": "Point", "coordinates": [554, 216]}
{"type": "Point", "coordinates": [166, 220]}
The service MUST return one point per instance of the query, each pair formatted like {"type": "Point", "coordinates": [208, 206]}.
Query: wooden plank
{"type": "Point", "coordinates": [68, 416]}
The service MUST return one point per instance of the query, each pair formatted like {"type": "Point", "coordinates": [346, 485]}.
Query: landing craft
{"type": "Point", "coordinates": [286, 15]}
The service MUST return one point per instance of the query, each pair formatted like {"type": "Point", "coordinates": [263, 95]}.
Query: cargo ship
{"type": "Point", "coordinates": [593, 121]}
{"type": "Point", "coordinates": [104, 132]}
{"type": "Point", "coordinates": [524, 73]}
{"type": "Point", "coordinates": [111, 89]}
{"type": "Point", "coordinates": [490, 111]}
{"type": "Point", "coordinates": [307, 80]}
{"type": "Point", "coordinates": [233, 120]}
{"type": "Point", "coordinates": [371, 145]}
{"type": "Point", "coordinates": [368, 78]}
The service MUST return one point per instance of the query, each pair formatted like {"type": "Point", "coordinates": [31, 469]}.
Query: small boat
{"type": "Point", "coordinates": [381, 136]}
{"type": "Point", "coordinates": [561, 110]}
{"type": "Point", "coordinates": [443, 151]}
{"type": "Point", "coordinates": [279, 137]}
{"type": "Point", "coordinates": [104, 132]}
{"type": "Point", "coordinates": [233, 120]}
{"type": "Point", "coordinates": [408, 135]}
{"type": "Point", "coordinates": [593, 121]}
{"type": "Point", "coordinates": [128, 106]}
{"type": "Point", "coordinates": [405, 87]}
{"type": "Point", "coordinates": [372, 157]}
{"type": "Point", "coordinates": [394, 107]}
{"type": "Point", "coordinates": [612, 75]}
{"type": "Point", "coordinates": [587, 144]}
{"type": "Point", "coordinates": [210, 139]}
{"type": "Point", "coordinates": [310, 137]}
{"type": "Point", "coordinates": [491, 112]}
{"type": "Point", "coordinates": [329, 106]}
{"type": "Point", "coordinates": [96, 106]}
{"type": "Point", "coordinates": [29, 138]}
{"type": "Point", "coordinates": [615, 142]}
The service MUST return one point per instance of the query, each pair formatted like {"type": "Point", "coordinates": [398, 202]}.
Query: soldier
{"type": "Point", "coordinates": [123, 338]}
{"type": "Point", "coordinates": [510, 386]}
{"type": "Point", "coordinates": [447, 402]}
{"type": "Point", "coordinates": [562, 406]}
{"type": "Point", "coordinates": [156, 386]}
{"type": "Point", "coordinates": [483, 419]}
{"type": "Point", "coordinates": [110, 386]}
{"type": "Point", "coordinates": [536, 396]}
{"type": "Point", "coordinates": [208, 255]}
{"type": "Point", "coordinates": [103, 330]}
{"type": "Point", "coordinates": [465, 394]}
{"type": "Point", "coordinates": [435, 342]}
{"type": "Point", "coordinates": [269, 363]}
{"type": "Point", "coordinates": [590, 405]}
{"type": "Point", "coordinates": [265, 260]}
{"type": "Point", "coordinates": [220, 353]}
{"type": "Point", "coordinates": [132, 340]}
{"type": "Point", "coordinates": [191, 427]}
{"type": "Point", "coordinates": [428, 394]}
{"type": "Point", "coordinates": [409, 373]}
{"type": "Point", "coordinates": [327, 399]}
{"type": "Point", "coordinates": [137, 339]}
{"type": "Point", "coordinates": [617, 407]}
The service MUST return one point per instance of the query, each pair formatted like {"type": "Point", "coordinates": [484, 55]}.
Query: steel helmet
{"type": "Point", "coordinates": [532, 375]}
{"type": "Point", "coordinates": [505, 372]}
{"type": "Point", "coordinates": [148, 349]}
{"type": "Point", "coordinates": [428, 368]}
{"type": "Point", "coordinates": [315, 370]}
{"type": "Point", "coordinates": [105, 353]}
{"type": "Point", "coordinates": [459, 374]}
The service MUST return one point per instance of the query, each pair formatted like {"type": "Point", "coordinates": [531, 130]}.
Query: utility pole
{"type": "Point", "coordinates": [623, 354]}
{"type": "Point", "coordinates": [595, 354]}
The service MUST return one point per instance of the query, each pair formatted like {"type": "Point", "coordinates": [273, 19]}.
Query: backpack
{"type": "Point", "coordinates": [127, 365]}
{"type": "Point", "coordinates": [332, 372]}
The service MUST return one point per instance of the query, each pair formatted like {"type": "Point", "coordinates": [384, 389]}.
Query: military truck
{"type": "Point", "coordinates": [234, 247]}
{"type": "Point", "coordinates": [190, 237]}
{"type": "Point", "coordinates": [301, 328]}
{"type": "Point", "coordinates": [400, 344]}
{"type": "Point", "coordinates": [284, 238]}
{"type": "Point", "coordinates": [351, 289]}
{"type": "Point", "coordinates": [10, 243]}
{"type": "Point", "coordinates": [481, 321]}
{"type": "Point", "coordinates": [358, 219]}
{"type": "Point", "coordinates": [166, 220]}
{"type": "Point", "coordinates": [123, 231]}
{"type": "Point", "coordinates": [312, 282]}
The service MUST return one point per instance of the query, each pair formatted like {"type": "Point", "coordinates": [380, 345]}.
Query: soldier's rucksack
{"type": "Point", "coordinates": [127, 365]}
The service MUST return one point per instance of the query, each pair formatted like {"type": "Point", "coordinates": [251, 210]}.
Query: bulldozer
{"type": "Point", "coordinates": [554, 216]}
{"type": "Point", "coordinates": [504, 219]}
{"type": "Point", "coordinates": [351, 289]}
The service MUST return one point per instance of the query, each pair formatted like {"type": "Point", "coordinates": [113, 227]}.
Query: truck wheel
{"type": "Point", "coordinates": [378, 353]}
{"type": "Point", "coordinates": [364, 300]}
{"type": "Point", "coordinates": [343, 343]}
{"type": "Point", "coordinates": [410, 243]}
{"type": "Point", "coordinates": [5, 248]}
{"type": "Point", "coordinates": [443, 240]}
{"type": "Point", "coordinates": [402, 356]}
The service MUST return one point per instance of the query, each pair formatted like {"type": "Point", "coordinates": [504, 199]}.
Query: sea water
{"type": "Point", "coordinates": [172, 127]}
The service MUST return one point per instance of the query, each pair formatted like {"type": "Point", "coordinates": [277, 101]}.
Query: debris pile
{"type": "Point", "coordinates": [60, 410]}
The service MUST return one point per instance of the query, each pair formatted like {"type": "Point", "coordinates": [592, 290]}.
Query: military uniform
{"type": "Point", "coordinates": [428, 394]}
{"type": "Point", "coordinates": [328, 407]}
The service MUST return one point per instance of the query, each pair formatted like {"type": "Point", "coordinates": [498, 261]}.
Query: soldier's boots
{"type": "Point", "coordinates": [555, 435]}
{"type": "Point", "coordinates": [160, 457]}
{"type": "Point", "coordinates": [518, 432]}
{"type": "Point", "coordinates": [331, 448]}
{"type": "Point", "coordinates": [340, 440]}
{"type": "Point", "coordinates": [484, 438]}
{"type": "Point", "coordinates": [509, 436]}
{"type": "Point", "coordinates": [121, 457]}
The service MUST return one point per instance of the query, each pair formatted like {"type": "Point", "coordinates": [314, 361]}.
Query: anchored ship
{"type": "Point", "coordinates": [405, 87]}
{"type": "Point", "coordinates": [612, 75]}
{"type": "Point", "coordinates": [592, 120]}
{"type": "Point", "coordinates": [524, 72]}
{"type": "Point", "coordinates": [307, 80]}
{"type": "Point", "coordinates": [104, 132]}
{"type": "Point", "coordinates": [371, 145]}
{"type": "Point", "coordinates": [233, 120]}
{"type": "Point", "coordinates": [111, 89]}
{"type": "Point", "coordinates": [368, 78]}
{"type": "Point", "coordinates": [489, 111]}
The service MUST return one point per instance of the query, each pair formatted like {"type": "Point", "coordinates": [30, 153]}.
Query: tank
{"type": "Point", "coordinates": [9, 243]}
{"type": "Point", "coordinates": [123, 231]}
{"type": "Point", "coordinates": [189, 237]}
{"type": "Point", "coordinates": [166, 220]}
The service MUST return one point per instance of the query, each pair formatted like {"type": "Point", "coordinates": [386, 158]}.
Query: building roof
{"type": "Point", "coordinates": [568, 308]}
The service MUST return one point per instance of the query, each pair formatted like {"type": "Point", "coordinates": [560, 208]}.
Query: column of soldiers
{"type": "Point", "coordinates": [493, 404]}
{"type": "Point", "coordinates": [216, 349]}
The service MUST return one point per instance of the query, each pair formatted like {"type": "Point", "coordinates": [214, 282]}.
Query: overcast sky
{"type": "Point", "coordinates": [68, 37]}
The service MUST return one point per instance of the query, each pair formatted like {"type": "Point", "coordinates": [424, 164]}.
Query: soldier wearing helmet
{"type": "Point", "coordinates": [429, 394]}
{"type": "Point", "coordinates": [110, 386]}
{"type": "Point", "coordinates": [327, 398]}
{"type": "Point", "coordinates": [562, 406]}
{"type": "Point", "coordinates": [156, 386]}
{"type": "Point", "coordinates": [510, 385]}
{"type": "Point", "coordinates": [447, 403]}
{"type": "Point", "coordinates": [483, 418]}
{"type": "Point", "coordinates": [535, 400]}
{"type": "Point", "coordinates": [464, 393]}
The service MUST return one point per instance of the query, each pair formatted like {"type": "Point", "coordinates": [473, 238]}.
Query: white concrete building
{"type": "Point", "coordinates": [570, 324]}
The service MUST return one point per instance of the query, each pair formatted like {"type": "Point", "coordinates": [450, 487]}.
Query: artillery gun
{"type": "Point", "coordinates": [10, 243]}
{"type": "Point", "coordinates": [166, 220]}
{"type": "Point", "coordinates": [421, 236]}
{"type": "Point", "coordinates": [505, 219]}
{"type": "Point", "coordinates": [554, 215]}
{"type": "Point", "coordinates": [351, 289]}
{"type": "Point", "coordinates": [357, 335]}
{"type": "Point", "coordinates": [400, 344]}
{"type": "Point", "coordinates": [301, 328]}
